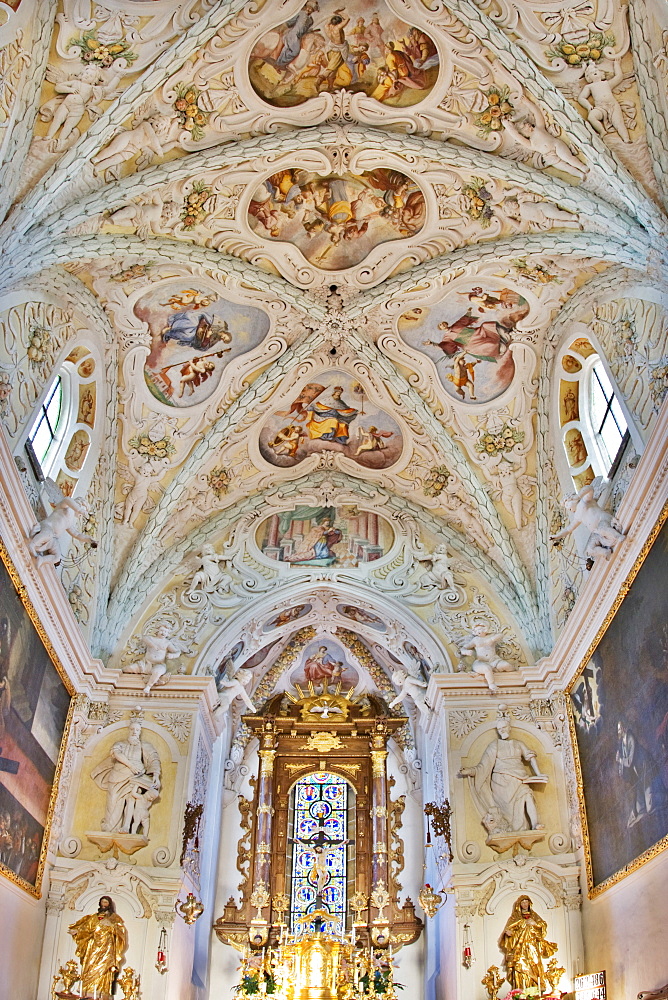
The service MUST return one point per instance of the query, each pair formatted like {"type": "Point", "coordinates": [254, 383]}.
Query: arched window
{"type": "Point", "coordinates": [594, 429]}
{"type": "Point", "coordinates": [320, 863]}
{"type": "Point", "coordinates": [44, 430]}
{"type": "Point", "coordinates": [61, 434]}
{"type": "Point", "coordinates": [608, 425]}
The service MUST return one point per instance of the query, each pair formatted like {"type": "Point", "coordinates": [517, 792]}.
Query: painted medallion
{"type": "Point", "coordinates": [194, 335]}
{"type": "Point", "coordinates": [336, 221]}
{"type": "Point", "coordinates": [335, 415]}
{"type": "Point", "coordinates": [362, 48]}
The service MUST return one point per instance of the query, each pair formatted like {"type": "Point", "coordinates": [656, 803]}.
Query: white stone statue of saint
{"type": "Point", "coordinates": [482, 645]}
{"type": "Point", "coordinates": [501, 785]}
{"type": "Point", "coordinates": [230, 688]}
{"type": "Point", "coordinates": [409, 687]}
{"type": "Point", "coordinates": [584, 510]}
{"type": "Point", "coordinates": [157, 649]}
{"type": "Point", "coordinates": [130, 775]}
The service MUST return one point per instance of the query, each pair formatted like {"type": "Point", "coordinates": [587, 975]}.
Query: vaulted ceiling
{"type": "Point", "coordinates": [328, 258]}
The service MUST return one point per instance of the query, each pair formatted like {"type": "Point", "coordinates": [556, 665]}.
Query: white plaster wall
{"type": "Point", "coordinates": [625, 931]}
{"type": "Point", "coordinates": [21, 932]}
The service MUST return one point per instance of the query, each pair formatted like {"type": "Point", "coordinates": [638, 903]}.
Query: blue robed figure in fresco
{"type": "Point", "coordinates": [199, 330]}
{"type": "Point", "coordinates": [296, 28]}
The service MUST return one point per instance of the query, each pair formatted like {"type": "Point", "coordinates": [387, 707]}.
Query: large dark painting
{"type": "Point", "coordinates": [34, 716]}
{"type": "Point", "coordinates": [619, 714]}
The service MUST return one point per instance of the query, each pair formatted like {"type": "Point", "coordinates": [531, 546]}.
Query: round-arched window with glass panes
{"type": "Point", "coordinates": [594, 429]}
{"type": "Point", "coordinates": [321, 818]}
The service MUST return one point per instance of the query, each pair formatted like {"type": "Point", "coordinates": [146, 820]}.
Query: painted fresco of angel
{"type": "Point", "coordinates": [77, 94]}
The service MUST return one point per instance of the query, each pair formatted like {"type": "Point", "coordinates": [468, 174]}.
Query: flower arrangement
{"type": "Point", "coordinates": [192, 116]}
{"type": "Point", "coordinates": [92, 50]}
{"type": "Point", "coordinates": [498, 107]}
{"type": "Point", "coordinates": [436, 481]}
{"type": "Point", "coordinates": [193, 210]}
{"type": "Point", "coordinates": [219, 481]}
{"type": "Point", "coordinates": [39, 345]}
{"type": "Point", "coordinates": [144, 445]}
{"type": "Point", "coordinates": [537, 273]}
{"type": "Point", "coordinates": [478, 199]}
{"type": "Point", "coordinates": [139, 270]}
{"type": "Point", "coordinates": [498, 442]}
{"type": "Point", "coordinates": [590, 51]}
{"type": "Point", "coordinates": [250, 985]}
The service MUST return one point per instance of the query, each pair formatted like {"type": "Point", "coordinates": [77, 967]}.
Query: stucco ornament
{"type": "Point", "coordinates": [584, 510]}
{"type": "Point", "coordinates": [211, 574]}
{"type": "Point", "coordinates": [157, 649]}
{"type": "Point", "coordinates": [231, 688]}
{"type": "Point", "coordinates": [501, 790]}
{"type": "Point", "coordinates": [410, 687]}
{"type": "Point", "coordinates": [130, 775]}
{"type": "Point", "coordinates": [47, 536]}
{"type": "Point", "coordinates": [482, 645]}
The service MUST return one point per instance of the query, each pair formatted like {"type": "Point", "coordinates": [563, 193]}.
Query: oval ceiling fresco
{"type": "Point", "coordinates": [468, 337]}
{"type": "Point", "coordinates": [332, 537]}
{"type": "Point", "coordinates": [333, 415]}
{"type": "Point", "coordinates": [194, 335]}
{"type": "Point", "coordinates": [362, 48]}
{"type": "Point", "coordinates": [337, 220]}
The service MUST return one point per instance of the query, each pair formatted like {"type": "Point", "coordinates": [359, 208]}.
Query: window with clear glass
{"type": "Point", "coordinates": [44, 430]}
{"type": "Point", "coordinates": [320, 805]}
{"type": "Point", "coordinates": [607, 419]}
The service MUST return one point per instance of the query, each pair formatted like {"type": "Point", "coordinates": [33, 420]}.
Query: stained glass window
{"type": "Point", "coordinates": [319, 810]}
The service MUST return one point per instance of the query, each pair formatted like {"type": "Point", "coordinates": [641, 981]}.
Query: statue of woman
{"type": "Point", "coordinates": [101, 940]}
{"type": "Point", "coordinates": [525, 946]}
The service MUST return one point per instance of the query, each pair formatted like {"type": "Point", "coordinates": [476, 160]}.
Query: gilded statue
{"type": "Point", "coordinates": [526, 949]}
{"type": "Point", "coordinates": [101, 940]}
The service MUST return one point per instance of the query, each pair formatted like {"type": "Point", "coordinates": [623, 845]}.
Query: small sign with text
{"type": "Point", "coordinates": [590, 987]}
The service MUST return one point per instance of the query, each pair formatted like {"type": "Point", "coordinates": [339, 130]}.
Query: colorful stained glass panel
{"type": "Point", "coordinates": [320, 803]}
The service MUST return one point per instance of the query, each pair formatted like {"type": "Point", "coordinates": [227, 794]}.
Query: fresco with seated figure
{"type": "Point", "coordinates": [194, 335]}
{"type": "Point", "coordinates": [468, 337]}
{"type": "Point", "coordinates": [337, 220]}
{"type": "Point", "coordinates": [337, 417]}
{"type": "Point", "coordinates": [324, 660]}
{"type": "Point", "coordinates": [325, 537]}
{"type": "Point", "coordinates": [364, 49]}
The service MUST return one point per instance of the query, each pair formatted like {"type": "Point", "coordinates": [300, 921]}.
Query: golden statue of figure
{"type": "Point", "coordinates": [526, 948]}
{"type": "Point", "coordinates": [101, 940]}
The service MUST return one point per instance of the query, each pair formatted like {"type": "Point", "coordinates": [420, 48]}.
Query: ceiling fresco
{"type": "Point", "coordinates": [333, 269]}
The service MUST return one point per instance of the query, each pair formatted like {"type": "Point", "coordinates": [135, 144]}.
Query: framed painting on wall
{"type": "Point", "coordinates": [618, 704]}
{"type": "Point", "coordinates": [35, 710]}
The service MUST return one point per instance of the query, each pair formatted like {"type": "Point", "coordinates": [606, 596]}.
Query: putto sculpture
{"type": "Point", "coordinates": [157, 649]}
{"type": "Point", "coordinates": [584, 510]}
{"type": "Point", "coordinates": [482, 645]}
{"type": "Point", "coordinates": [46, 537]}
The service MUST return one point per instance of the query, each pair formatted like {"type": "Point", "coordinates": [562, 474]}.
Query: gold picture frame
{"type": "Point", "coordinates": [21, 631]}
{"type": "Point", "coordinates": [594, 886]}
